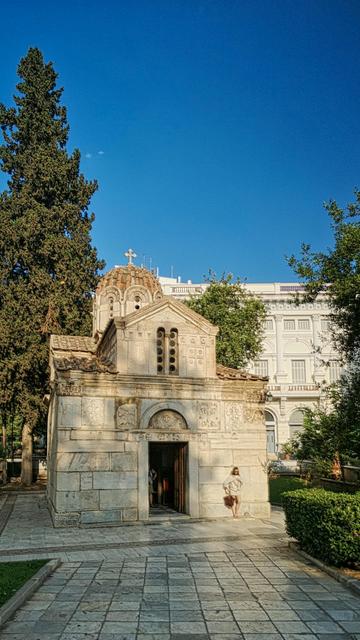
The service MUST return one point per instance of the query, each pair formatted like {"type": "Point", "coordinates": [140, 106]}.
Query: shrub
{"type": "Point", "coordinates": [326, 524]}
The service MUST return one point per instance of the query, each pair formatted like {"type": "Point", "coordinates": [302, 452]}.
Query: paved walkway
{"type": "Point", "coordinates": [222, 580]}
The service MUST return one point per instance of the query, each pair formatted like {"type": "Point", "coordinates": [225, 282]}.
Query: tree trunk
{"type": "Point", "coordinates": [26, 459]}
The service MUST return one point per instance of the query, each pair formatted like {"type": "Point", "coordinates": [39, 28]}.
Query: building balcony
{"type": "Point", "coordinates": [294, 390]}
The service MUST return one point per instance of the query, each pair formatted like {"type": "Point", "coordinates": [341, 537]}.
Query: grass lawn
{"type": "Point", "coordinates": [14, 574]}
{"type": "Point", "coordinates": [277, 486]}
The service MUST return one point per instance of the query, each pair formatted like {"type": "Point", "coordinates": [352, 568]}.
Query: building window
{"type": "Point", "coordinates": [270, 432]}
{"type": "Point", "coordinates": [298, 371]}
{"type": "Point", "coordinates": [269, 326]}
{"type": "Point", "coordinates": [173, 352]}
{"type": "Point", "coordinates": [335, 370]}
{"type": "Point", "coordinates": [167, 352]}
{"type": "Point", "coordinates": [296, 422]}
{"type": "Point", "coordinates": [325, 324]}
{"type": "Point", "coordinates": [111, 307]}
{"type": "Point", "coordinates": [304, 325]}
{"type": "Point", "coordinates": [261, 367]}
{"type": "Point", "coordinates": [289, 325]}
{"type": "Point", "coordinates": [160, 350]}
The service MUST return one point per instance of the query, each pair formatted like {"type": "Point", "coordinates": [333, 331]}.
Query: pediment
{"type": "Point", "coordinates": [169, 310]}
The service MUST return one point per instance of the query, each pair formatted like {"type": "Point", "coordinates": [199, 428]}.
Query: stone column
{"type": "Point", "coordinates": [143, 480]}
{"type": "Point", "coordinates": [318, 372]}
{"type": "Point", "coordinates": [280, 373]}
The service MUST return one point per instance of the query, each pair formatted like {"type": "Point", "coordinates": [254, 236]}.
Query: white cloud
{"type": "Point", "coordinates": [101, 153]}
{"type": "Point", "coordinates": [88, 155]}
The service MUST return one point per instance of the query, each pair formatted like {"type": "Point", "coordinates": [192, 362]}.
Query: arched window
{"type": "Point", "coordinates": [296, 422]}
{"type": "Point", "coordinates": [167, 352]}
{"type": "Point", "coordinates": [270, 423]}
{"type": "Point", "coordinates": [160, 350]}
{"type": "Point", "coordinates": [111, 307]}
{"type": "Point", "coordinates": [173, 352]}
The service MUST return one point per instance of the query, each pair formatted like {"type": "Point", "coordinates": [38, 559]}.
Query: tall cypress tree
{"type": "Point", "coordinates": [48, 268]}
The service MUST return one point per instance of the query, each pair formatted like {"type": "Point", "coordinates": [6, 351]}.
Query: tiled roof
{"type": "Point", "coordinates": [124, 277]}
{"type": "Point", "coordinates": [73, 343]}
{"type": "Point", "coordinates": [227, 373]}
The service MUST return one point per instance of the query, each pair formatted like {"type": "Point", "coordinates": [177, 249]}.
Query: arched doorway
{"type": "Point", "coordinates": [168, 463]}
{"type": "Point", "coordinates": [270, 423]}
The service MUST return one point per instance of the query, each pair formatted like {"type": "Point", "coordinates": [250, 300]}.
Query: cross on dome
{"type": "Point", "coordinates": [130, 254]}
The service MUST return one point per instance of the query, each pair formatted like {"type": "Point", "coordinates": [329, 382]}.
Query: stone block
{"type": "Point", "coordinates": [117, 498]}
{"type": "Point", "coordinates": [92, 434]}
{"type": "Point", "coordinates": [69, 412]}
{"type": "Point", "coordinates": [212, 493]}
{"type": "Point", "coordinates": [93, 517]}
{"type": "Point", "coordinates": [115, 480]}
{"type": "Point", "coordinates": [131, 446]}
{"type": "Point", "coordinates": [86, 480]}
{"type": "Point", "coordinates": [214, 475]}
{"type": "Point", "coordinates": [209, 510]}
{"type": "Point", "coordinates": [215, 458]}
{"type": "Point", "coordinates": [76, 446]}
{"type": "Point", "coordinates": [77, 500]}
{"type": "Point", "coordinates": [129, 515]}
{"type": "Point", "coordinates": [92, 412]}
{"type": "Point", "coordinates": [65, 519]}
{"type": "Point", "coordinates": [124, 461]}
{"type": "Point", "coordinates": [83, 462]}
{"type": "Point", "coordinates": [67, 481]}
{"type": "Point", "coordinates": [109, 413]}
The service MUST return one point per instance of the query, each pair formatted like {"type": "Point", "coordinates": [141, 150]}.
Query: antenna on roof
{"type": "Point", "coordinates": [172, 271]}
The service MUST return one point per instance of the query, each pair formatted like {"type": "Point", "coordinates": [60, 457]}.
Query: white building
{"type": "Point", "coordinates": [298, 355]}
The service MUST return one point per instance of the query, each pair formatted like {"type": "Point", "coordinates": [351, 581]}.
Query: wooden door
{"type": "Point", "coordinates": [180, 473]}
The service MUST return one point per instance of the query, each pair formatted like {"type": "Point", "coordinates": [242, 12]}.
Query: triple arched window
{"type": "Point", "coordinates": [167, 351]}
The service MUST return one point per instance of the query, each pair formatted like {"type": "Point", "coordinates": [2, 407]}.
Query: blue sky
{"type": "Point", "coordinates": [223, 125]}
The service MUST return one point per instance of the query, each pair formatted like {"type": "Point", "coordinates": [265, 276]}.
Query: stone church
{"type": "Point", "coordinates": [145, 393]}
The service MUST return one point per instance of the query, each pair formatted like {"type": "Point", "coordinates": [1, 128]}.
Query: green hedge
{"type": "Point", "coordinates": [326, 524]}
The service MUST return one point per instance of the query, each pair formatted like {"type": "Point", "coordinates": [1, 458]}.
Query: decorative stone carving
{"type": "Point", "coordinates": [208, 416]}
{"type": "Point", "coordinates": [252, 413]}
{"type": "Point", "coordinates": [167, 419]}
{"type": "Point", "coordinates": [64, 389]}
{"type": "Point", "coordinates": [234, 416]}
{"type": "Point", "coordinates": [126, 416]}
{"type": "Point", "coordinates": [93, 411]}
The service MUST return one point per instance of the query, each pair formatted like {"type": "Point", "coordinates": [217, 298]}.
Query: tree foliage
{"type": "Point", "coordinates": [48, 268]}
{"type": "Point", "coordinates": [335, 431]}
{"type": "Point", "coordinates": [238, 314]}
{"type": "Point", "coordinates": [337, 272]}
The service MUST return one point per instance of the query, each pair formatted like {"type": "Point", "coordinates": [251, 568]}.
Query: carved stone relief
{"type": "Point", "coordinates": [234, 416]}
{"type": "Point", "coordinates": [92, 411]}
{"type": "Point", "coordinates": [209, 416]}
{"type": "Point", "coordinates": [126, 416]}
{"type": "Point", "coordinates": [64, 389]}
{"type": "Point", "coordinates": [167, 419]}
{"type": "Point", "coordinates": [252, 413]}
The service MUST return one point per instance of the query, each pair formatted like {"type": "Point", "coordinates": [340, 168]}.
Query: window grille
{"type": "Point", "coordinates": [296, 422]}
{"type": "Point", "coordinates": [325, 324]}
{"type": "Point", "coordinates": [298, 371]}
{"type": "Point", "coordinates": [289, 325]}
{"type": "Point", "coordinates": [269, 325]}
{"type": "Point", "coordinates": [304, 325]}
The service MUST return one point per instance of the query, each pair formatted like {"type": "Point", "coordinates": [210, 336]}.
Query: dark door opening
{"type": "Point", "coordinates": [167, 475]}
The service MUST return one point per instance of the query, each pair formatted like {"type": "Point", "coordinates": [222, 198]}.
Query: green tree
{"type": "Point", "coordinates": [48, 268]}
{"type": "Point", "coordinates": [239, 315]}
{"type": "Point", "coordinates": [337, 271]}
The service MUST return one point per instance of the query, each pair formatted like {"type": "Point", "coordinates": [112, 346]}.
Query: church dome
{"type": "Point", "coordinates": [124, 277]}
{"type": "Point", "coordinates": [123, 290]}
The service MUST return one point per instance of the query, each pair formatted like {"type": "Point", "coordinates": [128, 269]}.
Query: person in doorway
{"type": "Point", "coordinates": [232, 485]}
{"type": "Point", "coordinates": [152, 488]}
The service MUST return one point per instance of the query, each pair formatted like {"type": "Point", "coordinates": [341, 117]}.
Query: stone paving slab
{"type": "Point", "coordinates": [247, 594]}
